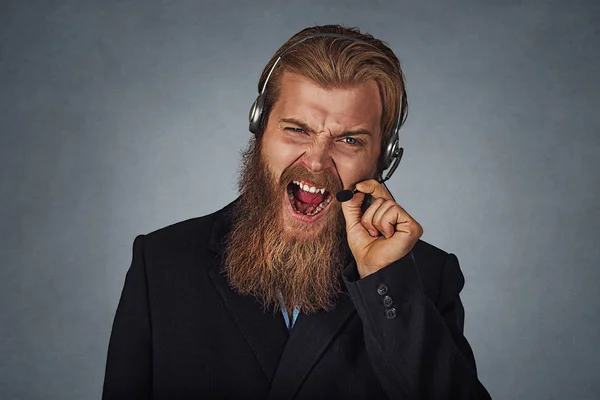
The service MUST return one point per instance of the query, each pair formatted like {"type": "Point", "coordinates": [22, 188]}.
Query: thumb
{"type": "Point", "coordinates": [351, 210]}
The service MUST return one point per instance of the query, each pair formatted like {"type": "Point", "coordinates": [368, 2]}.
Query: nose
{"type": "Point", "coordinates": [317, 158]}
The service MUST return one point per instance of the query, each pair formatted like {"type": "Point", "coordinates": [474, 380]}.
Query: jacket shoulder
{"type": "Point", "coordinates": [429, 253]}
{"type": "Point", "coordinates": [436, 268]}
{"type": "Point", "coordinates": [179, 241]}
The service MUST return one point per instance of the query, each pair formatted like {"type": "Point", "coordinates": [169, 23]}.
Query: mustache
{"type": "Point", "coordinates": [326, 179]}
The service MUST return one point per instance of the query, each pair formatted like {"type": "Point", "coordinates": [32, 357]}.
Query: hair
{"type": "Point", "coordinates": [264, 260]}
{"type": "Point", "coordinates": [333, 63]}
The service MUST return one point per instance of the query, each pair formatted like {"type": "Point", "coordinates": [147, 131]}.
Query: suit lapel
{"type": "Point", "coordinates": [264, 331]}
{"type": "Point", "coordinates": [309, 338]}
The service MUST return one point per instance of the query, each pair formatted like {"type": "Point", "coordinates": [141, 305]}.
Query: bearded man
{"type": "Point", "coordinates": [288, 292]}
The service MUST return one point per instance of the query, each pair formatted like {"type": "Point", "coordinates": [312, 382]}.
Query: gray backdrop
{"type": "Point", "coordinates": [120, 117]}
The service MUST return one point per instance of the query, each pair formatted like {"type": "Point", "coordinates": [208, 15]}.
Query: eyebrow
{"type": "Point", "coordinates": [302, 125]}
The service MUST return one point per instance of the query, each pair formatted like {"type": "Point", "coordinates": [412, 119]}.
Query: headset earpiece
{"type": "Point", "coordinates": [394, 162]}
{"type": "Point", "coordinates": [255, 116]}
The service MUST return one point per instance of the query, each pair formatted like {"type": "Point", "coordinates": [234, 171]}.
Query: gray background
{"type": "Point", "coordinates": [120, 117]}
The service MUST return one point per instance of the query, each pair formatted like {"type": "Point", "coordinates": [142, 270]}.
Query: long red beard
{"type": "Point", "coordinates": [265, 261]}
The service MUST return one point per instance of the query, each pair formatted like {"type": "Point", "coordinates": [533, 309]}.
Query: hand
{"type": "Point", "coordinates": [383, 234]}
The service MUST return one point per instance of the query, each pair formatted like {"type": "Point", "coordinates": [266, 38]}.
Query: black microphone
{"type": "Point", "coordinates": [347, 194]}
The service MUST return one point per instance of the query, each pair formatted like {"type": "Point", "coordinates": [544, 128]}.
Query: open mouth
{"type": "Point", "coordinates": [307, 199]}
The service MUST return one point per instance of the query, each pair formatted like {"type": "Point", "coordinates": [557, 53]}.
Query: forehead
{"type": "Point", "coordinates": [355, 107]}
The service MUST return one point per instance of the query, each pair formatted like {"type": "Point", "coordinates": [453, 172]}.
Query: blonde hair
{"type": "Point", "coordinates": [333, 62]}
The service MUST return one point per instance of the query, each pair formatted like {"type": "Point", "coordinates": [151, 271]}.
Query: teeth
{"type": "Point", "coordinates": [320, 207]}
{"type": "Point", "coordinates": [310, 189]}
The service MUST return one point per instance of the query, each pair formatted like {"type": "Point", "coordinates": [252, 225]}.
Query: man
{"type": "Point", "coordinates": [288, 292]}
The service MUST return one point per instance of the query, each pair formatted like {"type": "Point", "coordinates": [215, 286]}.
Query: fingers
{"type": "Point", "coordinates": [367, 218]}
{"type": "Point", "coordinates": [381, 217]}
{"type": "Point", "coordinates": [385, 218]}
{"type": "Point", "coordinates": [374, 188]}
{"type": "Point", "coordinates": [408, 225]}
{"type": "Point", "coordinates": [351, 210]}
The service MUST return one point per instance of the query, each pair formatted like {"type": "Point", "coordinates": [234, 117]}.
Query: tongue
{"type": "Point", "coordinates": [307, 197]}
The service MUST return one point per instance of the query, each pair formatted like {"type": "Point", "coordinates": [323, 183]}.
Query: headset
{"type": "Point", "coordinates": [393, 152]}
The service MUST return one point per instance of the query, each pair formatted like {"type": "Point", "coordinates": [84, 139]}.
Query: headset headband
{"type": "Point", "coordinates": [393, 152]}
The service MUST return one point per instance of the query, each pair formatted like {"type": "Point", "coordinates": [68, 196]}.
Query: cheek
{"type": "Point", "coordinates": [279, 154]}
{"type": "Point", "coordinates": [353, 172]}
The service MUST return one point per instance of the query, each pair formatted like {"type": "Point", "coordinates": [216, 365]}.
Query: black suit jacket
{"type": "Point", "coordinates": [180, 332]}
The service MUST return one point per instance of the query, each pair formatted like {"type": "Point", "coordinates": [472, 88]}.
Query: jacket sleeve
{"type": "Point", "coordinates": [417, 348]}
{"type": "Point", "coordinates": [128, 366]}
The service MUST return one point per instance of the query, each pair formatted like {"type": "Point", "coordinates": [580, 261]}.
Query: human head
{"type": "Point", "coordinates": [333, 62]}
{"type": "Point", "coordinates": [338, 86]}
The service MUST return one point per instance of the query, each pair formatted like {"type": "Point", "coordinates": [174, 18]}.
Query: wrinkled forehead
{"type": "Point", "coordinates": [331, 109]}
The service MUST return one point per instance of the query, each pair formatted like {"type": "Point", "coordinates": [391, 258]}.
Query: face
{"type": "Point", "coordinates": [321, 141]}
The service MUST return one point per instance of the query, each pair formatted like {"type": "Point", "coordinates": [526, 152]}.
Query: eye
{"type": "Point", "coordinates": [351, 141]}
{"type": "Point", "coordinates": [293, 129]}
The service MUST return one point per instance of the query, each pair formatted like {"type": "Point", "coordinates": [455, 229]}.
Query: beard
{"type": "Point", "coordinates": [269, 256]}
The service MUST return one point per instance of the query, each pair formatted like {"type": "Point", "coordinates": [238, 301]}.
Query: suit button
{"type": "Point", "coordinates": [382, 289]}
{"type": "Point", "coordinates": [387, 301]}
{"type": "Point", "coordinates": [390, 313]}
